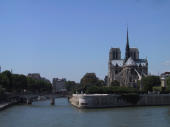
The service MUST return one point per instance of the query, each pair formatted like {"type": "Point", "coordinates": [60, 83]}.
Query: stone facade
{"type": "Point", "coordinates": [115, 100]}
{"type": "Point", "coordinates": [165, 74]}
{"type": "Point", "coordinates": [163, 82]}
{"type": "Point", "coordinates": [129, 70]}
{"type": "Point", "coordinates": [164, 77]}
{"type": "Point", "coordinates": [59, 85]}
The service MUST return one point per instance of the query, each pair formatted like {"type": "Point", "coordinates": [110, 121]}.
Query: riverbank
{"type": "Point", "coordinates": [6, 105]}
{"type": "Point", "coordinates": [24, 99]}
{"type": "Point", "coordinates": [115, 100]}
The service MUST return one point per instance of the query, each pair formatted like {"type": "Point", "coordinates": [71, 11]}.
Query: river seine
{"type": "Point", "coordinates": [42, 114]}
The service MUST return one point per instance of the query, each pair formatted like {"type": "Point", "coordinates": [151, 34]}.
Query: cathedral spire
{"type": "Point", "coordinates": [127, 44]}
{"type": "Point", "coordinates": [127, 55]}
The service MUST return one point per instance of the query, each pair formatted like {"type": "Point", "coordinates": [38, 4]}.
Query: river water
{"type": "Point", "coordinates": [42, 114]}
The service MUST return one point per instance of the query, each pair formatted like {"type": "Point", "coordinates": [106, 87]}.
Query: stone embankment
{"type": "Point", "coordinates": [6, 105]}
{"type": "Point", "coordinates": [114, 100]}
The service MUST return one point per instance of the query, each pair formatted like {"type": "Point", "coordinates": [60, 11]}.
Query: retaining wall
{"type": "Point", "coordinates": [114, 100]}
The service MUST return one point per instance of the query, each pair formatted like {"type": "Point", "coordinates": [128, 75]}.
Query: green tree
{"type": "Point", "coordinates": [6, 80]}
{"type": "Point", "coordinates": [31, 84]}
{"type": "Point", "coordinates": [38, 86]}
{"type": "Point", "coordinates": [150, 81]}
{"type": "Point", "coordinates": [2, 93]}
{"type": "Point", "coordinates": [101, 83]}
{"type": "Point", "coordinates": [168, 81]}
{"type": "Point", "coordinates": [110, 90]}
{"type": "Point", "coordinates": [71, 85]}
{"type": "Point", "coordinates": [115, 83]}
{"type": "Point", "coordinates": [90, 79]}
{"type": "Point", "coordinates": [19, 82]}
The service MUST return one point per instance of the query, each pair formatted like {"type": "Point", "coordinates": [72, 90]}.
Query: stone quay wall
{"type": "Point", "coordinates": [114, 100]}
{"type": "Point", "coordinates": [6, 105]}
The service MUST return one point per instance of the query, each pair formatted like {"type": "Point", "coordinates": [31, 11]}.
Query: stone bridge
{"type": "Point", "coordinates": [28, 99]}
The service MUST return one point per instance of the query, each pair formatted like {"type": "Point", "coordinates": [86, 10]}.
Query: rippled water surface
{"type": "Point", "coordinates": [42, 114]}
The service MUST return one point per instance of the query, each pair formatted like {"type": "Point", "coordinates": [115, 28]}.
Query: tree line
{"type": "Point", "coordinates": [18, 83]}
{"type": "Point", "coordinates": [91, 84]}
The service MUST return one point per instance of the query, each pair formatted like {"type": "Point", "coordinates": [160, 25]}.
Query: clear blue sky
{"type": "Point", "coordinates": [67, 38]}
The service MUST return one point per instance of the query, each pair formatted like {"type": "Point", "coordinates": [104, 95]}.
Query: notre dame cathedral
{"type": "Point", "coordinates": [129, 70]}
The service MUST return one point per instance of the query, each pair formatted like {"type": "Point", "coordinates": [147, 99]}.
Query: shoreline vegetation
{"type": "Point", "coordinates": [14, 85]}
{"type": "Point", "coordinates": [90, 84]}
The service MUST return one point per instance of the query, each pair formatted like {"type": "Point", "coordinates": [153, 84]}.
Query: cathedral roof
{"type": "Point", "coordinates": [130, 62]}
{"type": "Point", "coordinates": [141, 62]}
{"type": "Point", "coordinates": [120, 63]}
{"type": "Point", "coordinates": [117, 62]}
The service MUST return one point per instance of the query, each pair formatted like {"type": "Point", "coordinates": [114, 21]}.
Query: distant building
{"type": "Point", "coordinates": [129, 70]}
{"type": "Point", "coordinates": [34, 75]}
{"type": "Point", "coordinates": [165, 74]}
{"type": "Point", "coordinates": [163, 82]}
{"type": "Point", "coordinates": [164, 77]}
{"type": "Point", "coordinates": [37, 76]}
{"type": "Point", "coordinates": [59, 85]}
